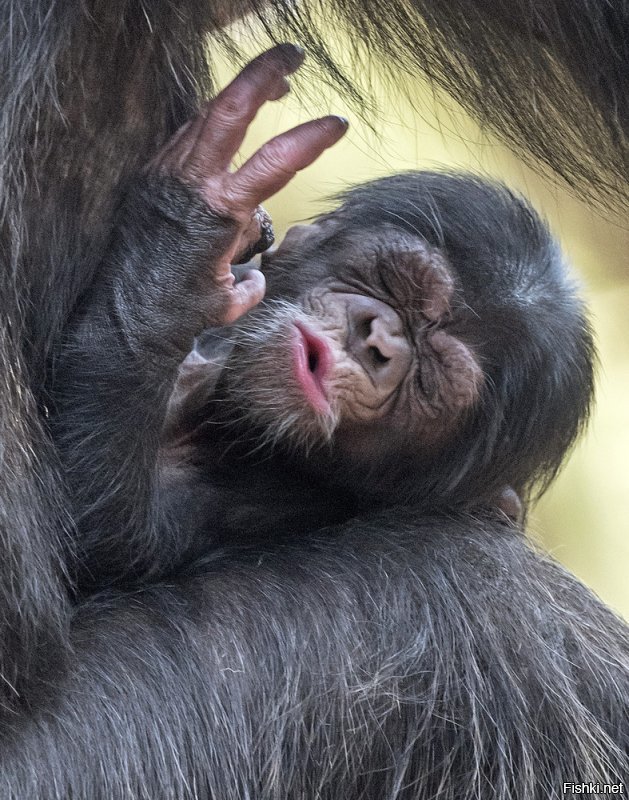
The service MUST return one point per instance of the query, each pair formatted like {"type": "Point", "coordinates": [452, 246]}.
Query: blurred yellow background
{"type": "Point", "coordinates": [583, 519]}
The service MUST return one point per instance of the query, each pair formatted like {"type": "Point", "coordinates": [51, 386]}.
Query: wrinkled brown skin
{"type": "Point", "coordinates": [396, 383]}
{"type": "Point", "coordinates": [394, 365]}
{"type": "Point", "coordinates": [199, 155]}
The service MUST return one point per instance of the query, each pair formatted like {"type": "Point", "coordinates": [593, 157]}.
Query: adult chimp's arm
{"type": "Point", "coordinates": [396, 658]}
{"type": "Point", "coordinates": [166, 275]}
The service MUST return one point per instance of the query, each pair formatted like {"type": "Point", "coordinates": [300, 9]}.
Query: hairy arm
{"type": "Point", "coordinates": [395, 658]}
{"type": "Point", "coordinates": [166, 275]}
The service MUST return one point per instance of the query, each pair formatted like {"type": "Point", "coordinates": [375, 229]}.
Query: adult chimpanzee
{"type": "Point", "coordinates": [89, 89]}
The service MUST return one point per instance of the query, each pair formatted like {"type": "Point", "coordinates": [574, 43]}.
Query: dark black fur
{"type": "Point", "coordinates": [551, 78]}
{"type": "Point", "coordinates": [401, 657]}
{"type": "Point", "coordinates": [138, 695]}
{"type": "Point", "coordinates": [116, 370]}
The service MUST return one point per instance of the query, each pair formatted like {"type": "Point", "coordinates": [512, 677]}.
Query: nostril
{"type": "Point", "coordinates": [377, 357]}
{"type": "Point", "coordinates": [363, 327]}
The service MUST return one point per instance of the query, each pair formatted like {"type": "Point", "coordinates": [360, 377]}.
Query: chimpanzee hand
{"type": "Point", "coordinates": [200, 153]}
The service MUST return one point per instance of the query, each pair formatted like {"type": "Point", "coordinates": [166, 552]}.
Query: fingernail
{"type": "Point", "coordinates": [292, 54]}
{"type": "Point", "coordinates": [344, 121]}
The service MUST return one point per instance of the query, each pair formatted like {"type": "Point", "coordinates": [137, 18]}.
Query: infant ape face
{"type": "Point", "coordinates": [359, 354]}
{"type": "Point", "coordinates": [425, 340]}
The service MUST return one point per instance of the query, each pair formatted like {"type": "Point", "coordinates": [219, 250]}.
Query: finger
{"type": "Point", "coordinates": [245, 294]}
{"type": "Point", "coordinates": [276, 162]}
{"type": "Point", "coordinates": [223, 128]}
{"type": "Point", "coordinates": [178, 148]}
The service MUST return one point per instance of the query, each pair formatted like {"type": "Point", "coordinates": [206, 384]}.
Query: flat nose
{"type": "Point", "coordinates": [386, 337]}
{"type": "Point", "coordinates": [377, 339]}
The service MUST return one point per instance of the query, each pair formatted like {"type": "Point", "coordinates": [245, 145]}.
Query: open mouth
{"type": "Point", "coordinates": [312, 360]}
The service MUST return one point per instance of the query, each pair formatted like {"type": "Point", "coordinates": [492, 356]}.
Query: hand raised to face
{"type": "Point", "coordinates": [200, 155]}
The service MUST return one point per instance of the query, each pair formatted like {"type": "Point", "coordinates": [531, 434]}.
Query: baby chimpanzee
{"type": "Point", "coordinates": [421, 344]}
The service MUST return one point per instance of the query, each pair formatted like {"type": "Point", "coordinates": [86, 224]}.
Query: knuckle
{"type": "Point", "coordinates": [274, 158]}
{"type": "Point", "coordinates": [225, 112]}
{"type": "Point", "coordinates": [230, 108]}
{"type": "Point", "coordinates": [194, 170]}
{"type": "Point", "coordinates": [321, 125]}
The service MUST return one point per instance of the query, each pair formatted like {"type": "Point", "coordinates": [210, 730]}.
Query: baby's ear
{"type": "Point", "coordinates": [508, 502]}
{"type": "Point", "coordinates": [296, 235]}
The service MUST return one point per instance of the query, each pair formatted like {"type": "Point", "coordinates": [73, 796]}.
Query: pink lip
{"type": "Point", "coordinates": [312, 360]}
